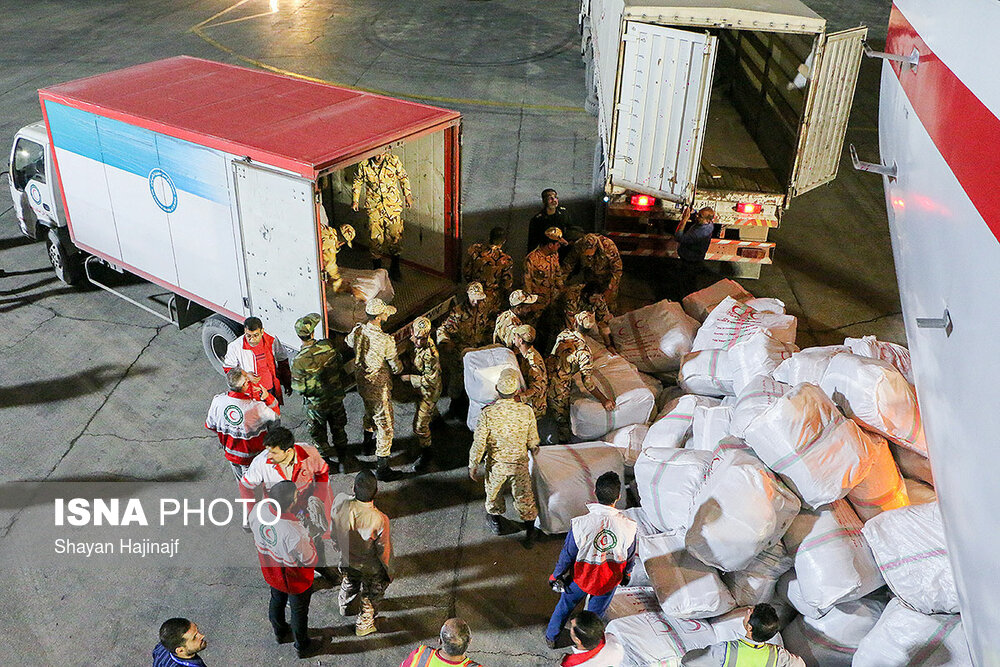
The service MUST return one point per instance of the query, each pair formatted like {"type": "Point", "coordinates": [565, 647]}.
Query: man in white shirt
{"type": "Point", "coordinates": [591, 647]}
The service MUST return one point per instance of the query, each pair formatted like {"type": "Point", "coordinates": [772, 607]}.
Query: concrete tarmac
{"type": "Point", "coordinates": [94, 389]}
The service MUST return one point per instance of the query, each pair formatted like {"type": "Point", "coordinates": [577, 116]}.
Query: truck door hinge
{"type": "Point", "coordinates": [911, 61]}
{"type": "Point", "coordinates": [875, 168]}
{"type": "Point", "coordinates": [246, 302]}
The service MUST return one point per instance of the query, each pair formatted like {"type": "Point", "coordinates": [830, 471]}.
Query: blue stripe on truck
{"type": "Point", "coordinates": [192, 168]}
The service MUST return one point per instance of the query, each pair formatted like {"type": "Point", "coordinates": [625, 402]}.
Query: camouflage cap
{"type": "Point", "coordinates": [421, 327]}
{"type": "Point", "coordinates": [509, 382]}
{"type": "Point", "coordinates": [305, 325]}
{"type": "Point", "coordinates": [475, 291]}
{"type": "Point", "coordinates": [555, 234]}
{"type": "Point", "coordinates": [517, 297]}
{"type": "Point", "coordinates": [377, 306]}
{"type": "Point", "coordinates": [525, 332]}
{"type": "Point", "coordinates": [347, 233]}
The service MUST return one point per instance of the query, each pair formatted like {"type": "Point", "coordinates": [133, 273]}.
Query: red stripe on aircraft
{"type": "Point", "coordinates": [962, 128]}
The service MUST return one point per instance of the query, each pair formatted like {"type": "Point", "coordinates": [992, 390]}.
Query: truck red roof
{"type": "Point", "coordinates": [274, 119]}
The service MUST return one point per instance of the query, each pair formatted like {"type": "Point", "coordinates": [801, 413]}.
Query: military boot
{"type": "Point", "coordinates": [495, 523]}
{"type": "Point", "coordinates": [530, 533]}
{"type": "Point", "coordinates": [365, 625]}
{"type": "Point", "coordinates": [345, 462]}
{"type": "Point", "coordinates": [368, 444]}
{"type": "Point", "coordinates": [383, 472]}
{"type": "Point", "coordinates": [423, 461]}
{"type": "Point", "coordinates": [394, 271]}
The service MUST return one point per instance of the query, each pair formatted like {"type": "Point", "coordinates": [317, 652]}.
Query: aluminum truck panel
{"type": "Point", "coordinates": [606, 41]}
{"type": "Point", "coordinates": [156, 205]}
{"type": "Point", "coordinates": [277, 213]}
{"type": "Point", "coordinates": [771, 15]}
{"type": "Point", "coordinates": [828, 108]}
{"type": "Point", "coordinates": [666, 79]}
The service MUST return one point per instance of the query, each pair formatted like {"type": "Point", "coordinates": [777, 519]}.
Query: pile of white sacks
{"type": "Point", "coordinates": [767, 474]}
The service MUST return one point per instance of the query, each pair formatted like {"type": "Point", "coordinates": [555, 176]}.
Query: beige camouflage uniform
{"type": "Point", "coordinates": [374, 356]}
{"type": "Point", "coordinates": [503, 332]}
{"type": "Point", "coordinates": [600, 261]}
{"type": "Point", "coordinates": [536, 377]}
{"type": "Point", "coordinates": [570, 356]}
{"type": "Point", "coordinates": [574, 302]}
{"type": "Point", "coordinates": [542, 276]}
{"type": "Point", "coordinates": [491, 266]}
{"type": "Point", "coordinates": [383, 201]}
{"type": "Point", "coordinates": [507, 430]}
{"type": "Point", "coordinates": [427, 381]}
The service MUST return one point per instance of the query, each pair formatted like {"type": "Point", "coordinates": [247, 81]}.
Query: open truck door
{"type": "Point", "coordinates": [666, 78]}
{"type": "Point", "coordinates": [278, 223]}
{"type": "Point", "coordinates": [828, 108]}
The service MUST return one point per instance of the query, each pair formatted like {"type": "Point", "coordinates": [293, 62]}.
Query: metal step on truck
{"type": "Point", "coordinates": [740, 105]}
{"type": "Point", "coordinates": [212, 181]}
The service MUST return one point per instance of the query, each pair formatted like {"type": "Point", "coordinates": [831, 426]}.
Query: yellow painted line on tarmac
{"type": "Point", "coordinates": [197, 29]}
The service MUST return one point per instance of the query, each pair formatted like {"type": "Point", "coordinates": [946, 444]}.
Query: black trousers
{"type": "Point", "coordinates": [688, 277]}
{"type": "Point", "coordinates": [300, 614]}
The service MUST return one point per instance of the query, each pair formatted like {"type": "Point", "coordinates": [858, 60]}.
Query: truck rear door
{"type": "Point", "coordinates": [663, 96]}
{"type": "Point", "coordinates": [280, 247]}
{"type": "Point", "coordinates": [828, 107]}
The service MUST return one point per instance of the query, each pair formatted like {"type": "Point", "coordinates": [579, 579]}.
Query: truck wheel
{"type": "Point", "coordinates": [216, 334]}
{"type": "Point", "coordinates": [65, 259]}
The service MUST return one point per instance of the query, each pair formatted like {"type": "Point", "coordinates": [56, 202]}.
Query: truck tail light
{"type": "Point", "coordinates": [642, 201]}
{"type": "Point", "coordinates": [748, 207]}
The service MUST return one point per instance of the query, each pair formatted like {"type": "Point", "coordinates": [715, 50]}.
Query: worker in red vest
{"type": "Point", "coordinates": [262, 357]}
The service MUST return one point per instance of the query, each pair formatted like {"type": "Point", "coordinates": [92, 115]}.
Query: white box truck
{"type": "Point", "coordinates": [212, 181]}
{"type": "Point", "coordinates": [740, 105]}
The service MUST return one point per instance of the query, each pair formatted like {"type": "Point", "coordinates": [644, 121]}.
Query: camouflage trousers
{"type": "Point", "coordinates": [386, 232]}
{"type": "Point", "coordinates": [371, 589]}
{"type": "Point", "coordinates": [498, 476]}
{"type": "Point", "coordinates": [534, 397]}
{"type": "Point", "coordinates": [377, 397]}
{"type": "Point", "coordinates": [329, 412]}
{"type": "Point", "coordinates": [560, 386]}
{"type": "Point", "coordinates": [426, 410]}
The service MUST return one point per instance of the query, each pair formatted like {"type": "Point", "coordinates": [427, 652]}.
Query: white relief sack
{"type": "Point", "coordinates": [757, 396]}
{"type": "Point", "coordinates": [804, 438]}
{"type": "Point", "coordinates": [668, 481]}
{"type": "Point", "coordinates": [833, 562]}
{"type": "Point", "coordinates": [808, 365]}
{"type": "Point", "coordinates": [654, 337]}
{"type": "Point", "coordinates": [563, 478]}
{"type": "Point", "coordinates": [685, 587]}
{"type": "Point", "coordinates": [628, 440]}
{"type": "Point", "coordinates": [882, 488]}
{"type": "Point", "coordinates": [344, 309]}
{"type": "Point", "coordinates": [731, 322]}
{"type": "Point", "coordinates": [647, 639]}
{"type": "Point", "coordinates": [699, 304]}
{"type": "Point", "coordinates": [620, 382]}
{"type": "Point", "coordinates": [756, 582]}
{"type": "Point", "coordinates": [904, 637]}
{"type": "Point", "coordinates": [709, 426]}
{"type": "Point", "coordinates": [673, 425]}
{"type": "Point", "coordinates": [759, 354]}
{"type": "Point", "coordinates": [482, 368]}
{"type": "Point", "coordinates": [871, 347]}
{"type": "Point", "coordinates": [740, 510]}
{"type": "Point", "coordinates": [706, 373]}
{"type": "Point", "coordinates": [909, 547]}
{"type": "Point", "coordinates": [875, 394]}
{"type": "Point", "coordinates": [832, 639]}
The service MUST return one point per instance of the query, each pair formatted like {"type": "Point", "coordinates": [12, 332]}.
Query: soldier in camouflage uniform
{"type": "Point", "coordinates": [571, 356]}
{"type": "Point", "coordinates": [382, 177]}
{"type": "Point", "coordinates": [427, 380]}
{"type": "Point", "coordinates": [331, 240]}
{"type": "Point", "coordinates": [596, 257]}
{"type": "Point", "coordinates": [318, 375]}
{"type": "Point", "coordinates": [506, 431]}
{"type": "Point", "coordinates": [490, 265]}
{"type": "Point", "coordinates": [543, 276]}
{"type": "Point", "coordinates": [533, 369]}
{"type": "Point", "coordinates": [521, 306]}
{"type": "Point", "coordinates": [590, 297]}
{"type": "Point", "coordinates": [374, 357]}
{"type": "Point", "coordinates": [467, 326]}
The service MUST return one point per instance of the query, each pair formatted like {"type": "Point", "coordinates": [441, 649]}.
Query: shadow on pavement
{"type": "Point", "coordinates": [67, 386]}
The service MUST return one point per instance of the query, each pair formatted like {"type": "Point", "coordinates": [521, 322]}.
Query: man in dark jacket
{"type": "Point", "coordinates": [693, 238]}
{"type": "Point", "coordinates": [180, 644]}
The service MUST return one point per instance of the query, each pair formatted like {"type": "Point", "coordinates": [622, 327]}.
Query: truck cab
{"type": "Point", "coordinates": [34, 187]}
{"type": "Point", "coordinates": [738, 105]}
